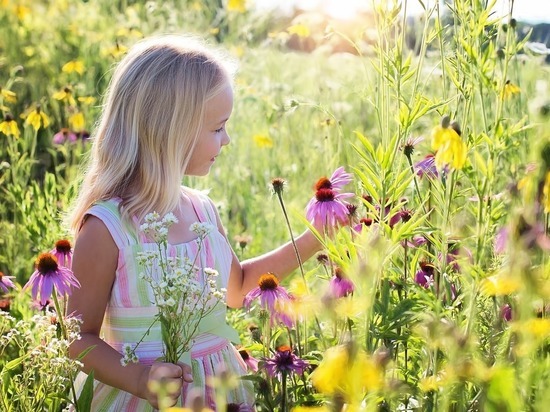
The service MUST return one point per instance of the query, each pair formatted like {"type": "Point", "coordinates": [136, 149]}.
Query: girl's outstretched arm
{"type": "Point", "coordinates": [281, 261]}
{"type": "Point", "coordinates": [94, 264]}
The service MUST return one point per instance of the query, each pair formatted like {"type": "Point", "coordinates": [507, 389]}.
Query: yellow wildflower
{"type": "Point", "coordinates": [538, 328]}
{"type": "Point", "coordinates": [236, 5]}
{"type": "Point", "coordinates": [73, 66]}
{"type": "Point", "coordinates": [8, 95]}
{"type": "Point", "coordinates": [310, 409]}
{"type": "Point", "coordinates": [451, 150]}
{"type": "Point", "coordinates": [66, 95]}
{"type": "Point", "coordinates": [76, 121]}
{"type": "Point", "coordinates": [546, 193]}
{"type": "Point", "coordinates": [37, 118]}
{"type": "Point", "coordinates": [499, 285]}
{"type": "Point", "coordinates": [509, 90]}
{"type": "Point", "coordinates": [9, 127]}
{"type": "Point", "coordinates": [214, 31]}
{"type": "Point", "coordinates": [341, 373]}
{"type": "Point", "coordinates": [118, 50]}
{"type": "Point", "coordinates": [21, 11]}
{"type": "Point", "coordinates": [301, 30]}
{"type": "Point", "coordinates": [263, 140]}
{"type": "Point", "coordinates": [87, 100]}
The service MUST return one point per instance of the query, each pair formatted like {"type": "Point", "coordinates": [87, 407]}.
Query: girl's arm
{"type": "Point", "coordinates": [94, 264]}
{"type": "Point", "coordinates": [282, 261]}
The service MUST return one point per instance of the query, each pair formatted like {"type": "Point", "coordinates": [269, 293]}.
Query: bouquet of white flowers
{"type": "Point", "coordinates": [182, 299]}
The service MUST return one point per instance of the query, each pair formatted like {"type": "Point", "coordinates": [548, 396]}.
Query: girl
{"type": "Point", "coordinates": [164, 117]}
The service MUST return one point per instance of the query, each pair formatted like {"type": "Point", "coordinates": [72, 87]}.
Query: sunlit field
{"type": "Point", "coordinates": [432, 295]}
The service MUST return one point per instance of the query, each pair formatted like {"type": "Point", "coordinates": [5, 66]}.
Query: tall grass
{"type": "Point", "coordinates": [446, 346]}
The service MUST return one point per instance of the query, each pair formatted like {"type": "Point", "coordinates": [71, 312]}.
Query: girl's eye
{"type": "Point", "coordinates": [219, 130]}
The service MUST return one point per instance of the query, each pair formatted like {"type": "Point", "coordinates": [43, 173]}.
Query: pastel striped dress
{"type": "Point", "coordinates": [131, 309]}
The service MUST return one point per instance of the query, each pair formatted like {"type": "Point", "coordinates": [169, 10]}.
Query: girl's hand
{"type": "Point", "coordinates": [167, 377]}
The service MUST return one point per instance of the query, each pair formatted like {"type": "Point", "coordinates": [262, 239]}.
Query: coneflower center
{"type": "Point", "coordinates": [323, 183]}
{"type": "Point", "coordinates": [268, 281]}
{"type": "Point", "coordinates": [63, 246]}
{"type": "Point", "coordinates": [324, 195]}
{"type": "Point", "coordinates": [46, 263]}
{"type": "Point", "coordinates": [427, 267]}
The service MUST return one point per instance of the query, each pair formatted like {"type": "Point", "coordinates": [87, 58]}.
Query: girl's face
{"type": "Point", "coordinates": [214, 134]}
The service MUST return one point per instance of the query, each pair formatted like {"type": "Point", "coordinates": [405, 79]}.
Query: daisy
{"type": "Point", "coordinates": [49, 275]}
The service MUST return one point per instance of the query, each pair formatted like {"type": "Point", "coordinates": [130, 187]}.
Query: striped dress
{"type": "Point", "coordinates": [131, 309]}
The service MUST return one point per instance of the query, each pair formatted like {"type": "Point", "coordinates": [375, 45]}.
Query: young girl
{"type": "Point", "coordinates": [164, 117]}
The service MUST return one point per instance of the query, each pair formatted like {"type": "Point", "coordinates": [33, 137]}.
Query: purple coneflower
{"type": "Point", "coordinates": [328, 208]}
{"type": "Point", "coordinates": [63, 252]}
{"type": "Point", "coordinates": [425, 276]}
{"type": "Point", "coordinates": [6, 283]}
{"type": "Point", "coordinates": [426, 167]}
{"type": "Point", "coordinates": [363, 222]}
{"type": "Point", "coordinates": [284, 361]}
{"type": "Point", "coordinates": [238, 407]}
{"type": "Point", "coordinates": [340, 285]}
{"type": "Point", "coordinates": [64, 135]}
{"type": "Point", "coordinates": [268, 291]}
{"type": "Point", "coordinates": [339, 179]}
{"type": "Point", "coordinates": [506, 312]}
{"type": "Point", "coordinates": [49, 275]}
{"type": "Point", "coordinates": [410, 144]}
{"type": "Point", "coordinates": [250, 361]}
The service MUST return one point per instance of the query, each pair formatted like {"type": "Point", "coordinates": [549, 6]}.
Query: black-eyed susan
{"type": "Point", "coordinates": [73, 66]}
{"type": "Point", "coordinates": [7, 95]}
{"type": "Point", "coordinates": [65, 95]}
{"type": "Point", "coordinates": [36, 118]}
{"type": "Point", "coordinates": [509, 90]}
{"type": "Point", "coordinates": [446, 140]}
{"type": "Point", "coordinates": [87, 100]}
{"type": "Point", "coordinates": [76, 121]}
{"type": "Point", "coordinates": [9, 126]}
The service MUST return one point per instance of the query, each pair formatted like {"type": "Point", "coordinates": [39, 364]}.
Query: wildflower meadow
{"type": "Point", "coordinates": [424, 140]}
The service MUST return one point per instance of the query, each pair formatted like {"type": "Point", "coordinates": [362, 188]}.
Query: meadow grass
{"type": "Point", "coordinates": [298, 116]}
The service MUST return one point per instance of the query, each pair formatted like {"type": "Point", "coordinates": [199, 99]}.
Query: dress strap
{"type": "Point", "coordinates": [108, 212]}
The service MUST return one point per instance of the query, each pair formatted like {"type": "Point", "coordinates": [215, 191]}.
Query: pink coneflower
{"type": "Point", "coordinates": [63, 252]}
{"type": "Point", "coordinates": [410, 144]}
{"type": "Point", "coordinates": [340, 178]}
{"type": "Point", "coordinates": [328, 208]}
{"type": "Point", "coordinates": [426, 167]}
{"type": "Point", "coordinates": [64, 135]}
{"type": "Point", "coordinates": [238, 407]}
{"type": "Point", "coordinates": [363, 222]}
{"type": "Point", "coordinates": [501, 240]}
{"type": "Point", "coordinates": [285, 362]}
{"type": "Point", "coordinates": [416, 241]}
{"type": "Point", "coordinates": [250, 361]}
{"type": "Point", "coordinates": [49, 275]}
{"type": "Point", "coordinates": [340, 285]}
{"type": "Point", "coordinates": [506, 312]}
{"type": "Point", "coordinates": [269, 292]}
{"type": "Point", "coordinates": [6, 283]}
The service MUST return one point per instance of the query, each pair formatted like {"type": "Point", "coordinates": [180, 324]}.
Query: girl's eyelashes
{"type": "Point", "coordinates": [219, 130]}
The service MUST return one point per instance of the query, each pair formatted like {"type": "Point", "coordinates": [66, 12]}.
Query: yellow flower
{"type": "Point", "coordinates": [66, 95]}
{"type": "Point", "coordinates": [538, 328]}
{"type": "Point", "coordinates": [236, 5]}
{"type": "Point", "coordinates": [87, 100]}
{"type": "Point", "coordinates": [73, 66]}
{"type": "Point", "coordinates": [77, 121]}
{"type": "Point", "coordinates": [451, 150]}
{"type": "Point", "coordinates": [263, 140]}
{"type": "Point", "coordinates": [9, 127]}
{"type": "Point", "coordinates": [8, 95]}
{"type": "Point", "coordinates": [340, 374]}
{"type": "Point", "coordinates": [37, 118]}
{"type": "Point", "coordinates": [310, 409]}
{"type": "Point", "coordinates": [546, 193]}
{"type": "Point", "coordinates": [21, 11]}
{"type": "Point", "coordinates": [499, 285]}
{"type": "Point", "coordinates": [301, 30]}
{"type": "Point", "coordinates": [118, 50]}
{"type": "Point", "coordinates": [509, 90]}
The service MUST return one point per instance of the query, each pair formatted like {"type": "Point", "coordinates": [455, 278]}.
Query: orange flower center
{"type": "Point", "coordinates": [284, 348]}
{"type": "Point", "coordinates": [268, 281]}
{"type": "Point", "coordinates": [63, 246]}
{"type": "Point", "coordinates": [323, 183]}
{"type": "Point", "coordinates": [46, 263]}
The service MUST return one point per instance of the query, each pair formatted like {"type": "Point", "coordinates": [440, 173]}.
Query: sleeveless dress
{"type": "Point", "coordinates": [131, 310]}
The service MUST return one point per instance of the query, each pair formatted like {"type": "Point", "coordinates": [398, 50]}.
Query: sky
{"type": "Point", "coordinates": [533, 11]}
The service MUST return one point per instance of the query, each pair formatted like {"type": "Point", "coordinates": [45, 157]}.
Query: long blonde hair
{"type": "Point", "coordinates": [149, 126]}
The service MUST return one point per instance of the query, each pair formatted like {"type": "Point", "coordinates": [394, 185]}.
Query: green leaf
{"type": "Point", "coordinates": [84, 402]}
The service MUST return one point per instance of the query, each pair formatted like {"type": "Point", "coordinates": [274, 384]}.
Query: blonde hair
{"type": "Point", "coordinates": [149, 126]}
